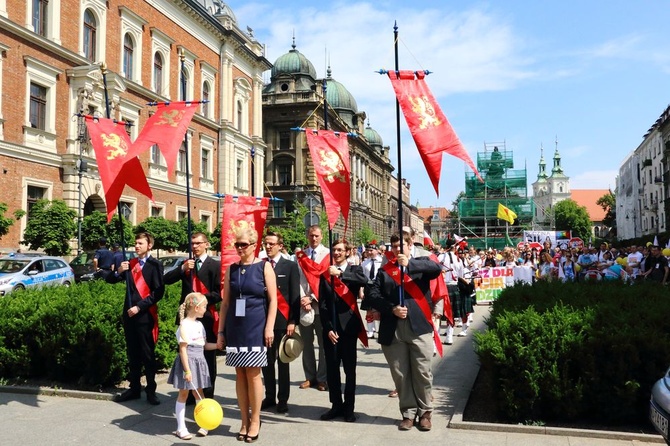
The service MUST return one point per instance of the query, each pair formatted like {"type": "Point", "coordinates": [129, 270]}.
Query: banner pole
{"type": "Point", "coordinates": [397, 126]}
{"type": "Point", "coordinates": [189, 229]}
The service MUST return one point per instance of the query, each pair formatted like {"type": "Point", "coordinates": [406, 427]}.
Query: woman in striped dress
{"type": "Point", "coordinates": [246, 327]}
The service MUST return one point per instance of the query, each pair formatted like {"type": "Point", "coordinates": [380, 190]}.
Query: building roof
{"type": "Point", "coordinates": [588, 198]}
{"type": "Point", "coordinates": [426, 214]}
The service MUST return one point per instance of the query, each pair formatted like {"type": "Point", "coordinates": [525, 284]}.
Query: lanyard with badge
{"type": "Point", "coordinates": [241, 304]}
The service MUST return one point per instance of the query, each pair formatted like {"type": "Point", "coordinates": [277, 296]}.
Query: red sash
{"type": "Point", "coordinates": [199, 287]}
{"type": "Point", "coordinates": [312, 270]}
{"type": "Point", "coordinates": [438, 290]}
{"type": "Point", "coordinates": [144, 292]}
{"type": "Point", "coordinates": [347, 296]}
{"type": "Point", "coordinates": [392, 269]}
{"type": "Point", "coordinates": [282, 303]}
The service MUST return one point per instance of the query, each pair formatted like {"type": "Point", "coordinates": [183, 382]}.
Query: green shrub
{"type": "Point", "coordinates": [75, 334]}
{"type": "Point", "coordinates": [589, 350]}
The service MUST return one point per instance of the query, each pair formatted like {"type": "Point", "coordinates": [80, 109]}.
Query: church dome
{"type": "Point", "coordinates": [293, 62]}
{"type": "Point", "coordinates": [372, 136]}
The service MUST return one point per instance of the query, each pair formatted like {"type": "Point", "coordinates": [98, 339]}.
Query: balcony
{"type": "Point", "coordinates": [646, 162]}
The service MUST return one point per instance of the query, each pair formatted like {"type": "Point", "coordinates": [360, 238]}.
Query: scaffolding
{"type": "Point", "coordinates": [478, 208]}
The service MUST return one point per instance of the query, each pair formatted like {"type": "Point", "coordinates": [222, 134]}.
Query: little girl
{"type": "Point", "coordinates": [189, 371]}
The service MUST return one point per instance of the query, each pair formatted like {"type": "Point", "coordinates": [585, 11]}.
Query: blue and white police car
{"type": "Point", "coordinates": [18, 272]}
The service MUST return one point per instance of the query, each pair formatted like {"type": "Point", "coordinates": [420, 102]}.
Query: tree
{"type": "Point", "coordinates": [168, 235]}
{"type": "Point", "coordinates": [95, 226]}
{"type": "Point", "coordinates": [608, 203]}
{"type": "Point", "coordinates": [569, 215]}
{"type": "Point", "coordinates": [365, 235]}
{"type": "Point", "coordinates": [185, 242]}
{"type": "Point", "coordinates": [5, 222]}
{"type": "Point", "coordinates": [51, 225]}
{"type": "Point", "coordinates": [293, 231]}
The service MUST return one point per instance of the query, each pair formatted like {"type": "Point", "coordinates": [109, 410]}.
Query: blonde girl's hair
{"type": "Point", "coordinates": [191, 301]}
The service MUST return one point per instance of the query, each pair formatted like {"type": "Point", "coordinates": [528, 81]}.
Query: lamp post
{"type": "Point", "coordinates": [252, 152]}
{"type": "Point", "coordinates": [82, 167]}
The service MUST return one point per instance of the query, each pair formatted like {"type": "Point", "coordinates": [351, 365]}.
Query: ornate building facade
{"type": "Point", "coordinates": [294, 98]}
{"type": "Point", "coordinates": [549, 190]}
{"type": "Point", "coordinates": [50, 72]}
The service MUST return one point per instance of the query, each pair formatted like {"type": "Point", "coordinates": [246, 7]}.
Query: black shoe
{"type": "Point", "coordinates": [282, 407]}
{"type": "Point", "coordinates": [127, 396]}
{"type": "Point", "coordinates": [349, 417]}
{"type": "Point", "coordinates": [267, 403]}
{"type": "Point", "coordinates": [332, 413]}
{"type": "Point", "coordinates": [151, 399]}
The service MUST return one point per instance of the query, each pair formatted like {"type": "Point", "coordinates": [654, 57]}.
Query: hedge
{"type": "Point", "coordinates": [566, 351]}
{"type": "Point", "coordinates": [75, 334]}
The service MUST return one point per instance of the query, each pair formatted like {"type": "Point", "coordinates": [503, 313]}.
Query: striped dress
{"type": "Point", "coordinates": [246, 317]}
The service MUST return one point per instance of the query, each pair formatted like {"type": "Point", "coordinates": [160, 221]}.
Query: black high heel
{"type": "Point", "coordinates": [250, 439]}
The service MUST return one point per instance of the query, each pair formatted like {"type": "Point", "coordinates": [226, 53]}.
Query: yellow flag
{"type": "Point", "coordinates": [505, 213]}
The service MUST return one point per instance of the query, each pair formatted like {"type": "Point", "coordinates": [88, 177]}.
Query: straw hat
{"type": "Point", "coordinates": [290, 347]}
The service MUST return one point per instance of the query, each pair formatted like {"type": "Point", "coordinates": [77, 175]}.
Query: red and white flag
{"type": "Point", "coordinates": [429, 127]}
{"type": "Point", "coordinates": [427, 240]}
{"type": "Point", "coordinates": [330, 156]}
{"type": "Point", "coordinates": [116, 167]}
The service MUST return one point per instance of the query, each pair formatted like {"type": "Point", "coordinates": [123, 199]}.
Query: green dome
{"type": "Point", "coordinates": [372, 136]}
{"type": "Point", "coordinates": [293, 62]}
{"type": "Point", "coordinates": [338, 96]}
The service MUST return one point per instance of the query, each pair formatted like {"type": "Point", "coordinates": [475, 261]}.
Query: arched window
{"type": "Point", "coordinates": [158, 73]}
{"type": "Point", "coordinates": [90, 30]}
{"type": "Point", "coordinates": [128, 48]}
{"type": "Point", "coordinates": [205, 99]}
{"type": "Point", "coordinates": [239, 116]}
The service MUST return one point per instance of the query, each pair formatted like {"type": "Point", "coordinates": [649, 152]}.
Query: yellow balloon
{"type": "Point", "coordinates": [648, 244]}
{"type": "Point", "coordinates": [208, 414]}
{"type": "Point", "coordinates": [666, 252]}
{"type": "Point", "coordinates": [625, 261]}
{"type": "Point", "coordinates": [619, 261]}
{"type": "Point", "coordinates": [578, 268]}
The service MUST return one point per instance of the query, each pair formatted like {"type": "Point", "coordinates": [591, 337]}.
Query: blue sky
{"type": "Point", "coordinates": [595, 75]}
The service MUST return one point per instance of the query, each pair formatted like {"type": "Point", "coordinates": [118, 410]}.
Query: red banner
{"type": "Point", "coordinates": [312, 270]}
{"type": "Point", "coordinates": [330, 156]}
{"type": "Point", "coordinates": [115, 166]}
{"type": "Point", "coordinates": [166, 128]}
{"type": "Point", "coordinates": [429, 127]}
{"type": "Point", "coordinates": [238, 213]}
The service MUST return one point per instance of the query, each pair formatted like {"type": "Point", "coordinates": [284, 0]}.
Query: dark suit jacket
{"type": "Point", "coordinates": [210, 276]}
{"type": "Point", "coordinates": [153, 276]}
{"type": "Point", "coordinates": [288, 282]}
{"type": "Point", "coordinates": [384, 296]}
{"type": "Point", "coordinates": [348, 322]}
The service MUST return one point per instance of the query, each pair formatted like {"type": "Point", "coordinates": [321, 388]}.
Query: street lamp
{"type": "Point", "coordinates": [82, 166]}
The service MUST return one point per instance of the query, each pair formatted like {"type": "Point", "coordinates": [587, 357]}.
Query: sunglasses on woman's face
{"type": "Point", "coordinates": [242, 245]}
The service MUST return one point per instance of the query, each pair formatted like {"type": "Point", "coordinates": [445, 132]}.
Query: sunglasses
{"type": "Point", "coordinates": [242, 245]}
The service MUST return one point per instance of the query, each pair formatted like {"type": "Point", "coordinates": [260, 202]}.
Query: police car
{"type": "Point", "coordinates": [659, 406]}
{"type": "Point", "coordinates": [18, 272]}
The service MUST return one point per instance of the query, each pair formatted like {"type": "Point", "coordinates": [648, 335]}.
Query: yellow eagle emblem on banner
{"type": "Point", "coordinates": [117, 147]}
{"type": "Point", "coordinates": [331, 166]}
{"type": "Point", "coordinates": [170, 118]}
{"type": "Point", "coordinates": [422, 107]}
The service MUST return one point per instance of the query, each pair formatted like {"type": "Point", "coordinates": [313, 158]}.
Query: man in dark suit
{"type": "Point", "coordinates": [406, 331]}
{"type": "Point", "coordinates": [342, 327]}
{"type": "Point", "coordinates": [288, 313]}
{"type": "Point", "coordinates": [145, 287]}
{"type": "Point", "coordinates": [202, 274]}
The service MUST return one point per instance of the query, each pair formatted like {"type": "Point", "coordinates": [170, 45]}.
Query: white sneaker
{"type": "Point", "coordinates": [459, 323]}
{"type": "Point", "coordinates": [462, 334]}
{"type": "Point", "coordinates": [449, 340]}
{"type": "Point", "coordinates": [371, 334]}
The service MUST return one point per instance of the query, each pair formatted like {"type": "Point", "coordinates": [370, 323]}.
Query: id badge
{"type": "Point", "coordinates": [240, 308]}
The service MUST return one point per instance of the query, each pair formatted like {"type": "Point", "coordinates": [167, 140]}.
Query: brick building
{"type": "Point", "coordinates": [50, 71]}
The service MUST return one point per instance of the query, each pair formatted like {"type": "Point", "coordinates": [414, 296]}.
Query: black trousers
{"type": "Point", "coordinates": [344, 352]}
{"type": "Point", "coordinates": [140, 348]}
{"type": "Point", "coordinates": [269, 377]}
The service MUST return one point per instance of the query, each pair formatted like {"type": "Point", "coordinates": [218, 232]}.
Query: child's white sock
{"type": "Point", "coordinates": [180, 413]}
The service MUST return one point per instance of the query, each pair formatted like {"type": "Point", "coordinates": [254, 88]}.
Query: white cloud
{"type": "Point", "coordinates": [594, 179]}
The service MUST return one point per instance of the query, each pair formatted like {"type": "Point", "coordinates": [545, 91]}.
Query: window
{"type": "Point", "coordinates": [204, 164]}
{"type": "Point", "coordinates": [155, 155]}
{"type": "Point", "coordinates": [156, 211]}
{"type": "Point", "coordinates": [129, 127]}
{"type": "Point", "coordinates": [278, 209]}
{"type": "Point", "coordinates": [90, 30]}
{"type": "Point", "coordinates": [35, 193]}
{"type": "Point", "coordinates": [128, 48]}
{"type": "Point", "coordinates": [239, 116]}
{"type": "Point", "coordinates": [182, 215]}
{"type": "Point", "coordinates": [183, 84]}
{"type": "Point", "coordinates": [181, 160]}
{"type": "Point", "coordinates": [284, 140]}
{"type": "Point", "coordinates": [158, 73]}
{"type": "Point", "coordinates": [239, 173]}
{"type": "Point", "coordinates": [205, 220]}
{"type": "Point", "coordinates": [126, 209]}
{"type": "Point", "coordinates": [38, 106]}
{"type": "Point", "coordinates": [40, 9]}
{"type": "Point", "coordinates": [284, 174]}
{"type": "Point", "coordinates": [205, 99]}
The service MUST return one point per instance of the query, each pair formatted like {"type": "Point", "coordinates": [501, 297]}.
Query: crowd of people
{"type": "Point", "coordinates": [404, 292]}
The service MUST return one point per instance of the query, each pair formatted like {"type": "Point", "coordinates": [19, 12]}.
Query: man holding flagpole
{"type": "Point", "coordinates": [406, 331]}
